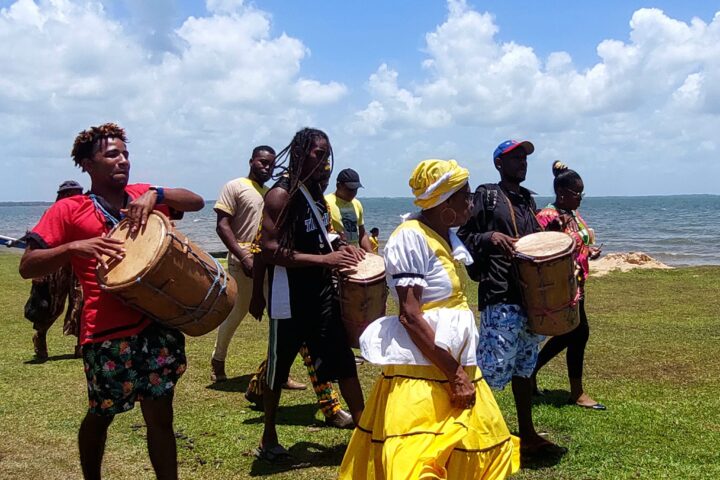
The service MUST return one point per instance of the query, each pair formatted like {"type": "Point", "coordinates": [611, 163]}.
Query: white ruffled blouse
{"type": "Point", "coordinates": [416, 255]}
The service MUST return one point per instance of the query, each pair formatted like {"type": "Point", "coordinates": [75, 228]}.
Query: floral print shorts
{"type": "Point", "coordinates": [506, 348]}
{"type": "Point", "coordinates": [125, 370]}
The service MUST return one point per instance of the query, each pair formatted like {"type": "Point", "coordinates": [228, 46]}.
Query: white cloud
{"type": "Point", "coordinates": [195, 93]}
{"type": "Point", "coordinates": [653, 99]}
{"type": "Point", "coordinates": [226, 81]}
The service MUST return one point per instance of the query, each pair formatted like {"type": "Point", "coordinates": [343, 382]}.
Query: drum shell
{"type": "Point", "coordinates": [177, 275]}
{"type": "Point", "coordinates": [361, 303]}
{"type": "Point", "coordinates": [549, 289]}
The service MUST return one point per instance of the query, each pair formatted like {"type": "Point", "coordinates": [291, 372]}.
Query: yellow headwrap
{"type": "Point", "coordinates": [434, 181]}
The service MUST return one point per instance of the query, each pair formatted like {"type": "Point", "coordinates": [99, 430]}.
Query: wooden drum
{"type": "Point", "coordinates": [546, 269]}
{"type": "Point", "coordinates": [363, 293]}
{"type": "Point", "coordinates": [169, 278]}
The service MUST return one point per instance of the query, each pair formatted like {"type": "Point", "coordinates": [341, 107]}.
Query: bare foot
{"type": "Point", "coordinates": [531, 445]}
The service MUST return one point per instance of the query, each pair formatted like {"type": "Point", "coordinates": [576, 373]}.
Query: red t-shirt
{"type": "Point", "coordinates": [104, 316]}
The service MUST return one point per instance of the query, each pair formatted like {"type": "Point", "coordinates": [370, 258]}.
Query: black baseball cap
{"type": "Point", "coordinates": [69, 185]}
{"type": "Point", "coordinates": [349, 178]}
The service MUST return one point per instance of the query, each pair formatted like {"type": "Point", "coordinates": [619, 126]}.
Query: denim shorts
{"type": "Point", "coordinates": [506, 348]}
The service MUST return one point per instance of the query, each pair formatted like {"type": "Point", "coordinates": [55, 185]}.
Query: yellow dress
{"type": "Point", "coordinates": [409, 429]}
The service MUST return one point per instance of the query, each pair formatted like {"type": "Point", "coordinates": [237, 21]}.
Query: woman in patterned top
{"type": "Point", "coordinates": [562, 215]}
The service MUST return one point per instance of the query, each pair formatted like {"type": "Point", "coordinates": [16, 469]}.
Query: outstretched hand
{"type": "Point", "coordinates": [504, 243]}
{"type": "Point", "coordinates": [97, 248]}
{"type": "Point", "coordinates": [346, 257]}
{"type": "Point", "coordinates": [138, 210]}
{"type": "Point", "coordinates": [462, 392]}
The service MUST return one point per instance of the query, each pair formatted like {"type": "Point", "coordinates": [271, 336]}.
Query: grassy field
{"type": "Point", "coordinates": [652, 359]}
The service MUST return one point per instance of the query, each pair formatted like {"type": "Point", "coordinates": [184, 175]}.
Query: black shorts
{"type": "Point", "coordinates": [323, 333]}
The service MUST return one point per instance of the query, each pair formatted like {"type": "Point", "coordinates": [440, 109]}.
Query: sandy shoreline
{"type": "Point", "coordinates": [605, 264]}
{"type": "Point", "coordinates": [624, 262]}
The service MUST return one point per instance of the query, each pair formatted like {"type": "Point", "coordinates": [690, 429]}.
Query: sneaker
{"type": "Point", "coordinates": [217, 371]}
{"type": "Point", "coordinates": [340, 419]}
{"type": "Point", "coordinates": [40, 345]}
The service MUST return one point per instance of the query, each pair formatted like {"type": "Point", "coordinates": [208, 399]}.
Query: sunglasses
{"type": "Point", "coordinates": [579, 195]}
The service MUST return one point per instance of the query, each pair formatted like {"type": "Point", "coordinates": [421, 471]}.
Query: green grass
{"type": "Point", "coordinates": [652, 359]}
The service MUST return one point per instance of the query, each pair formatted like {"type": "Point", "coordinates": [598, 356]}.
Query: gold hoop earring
{"type": "Point", "coordinates": [442, 217]}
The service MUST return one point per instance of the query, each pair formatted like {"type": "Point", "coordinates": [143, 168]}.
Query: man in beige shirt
{"type": "Point", "coordinates": [239, 210]}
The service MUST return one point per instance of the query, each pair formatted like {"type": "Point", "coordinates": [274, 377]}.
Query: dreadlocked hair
{"type": "Point", "coordinates": [87, 141]}
{"type": "Point", "coordinates": [290, 163]}
{"type": "Point", "coordinates": [564, 176]}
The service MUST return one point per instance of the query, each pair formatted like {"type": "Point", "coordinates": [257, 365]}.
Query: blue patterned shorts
{"type": "Point", "coordinates": [506, 348]}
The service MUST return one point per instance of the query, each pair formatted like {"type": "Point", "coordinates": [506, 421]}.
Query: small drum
{"type": "Point", "coordinates": [168, 277]}
{"type": "Point", "coordinates": [363, 293]}
{"type": "Point", "coordinates": [546, 268]}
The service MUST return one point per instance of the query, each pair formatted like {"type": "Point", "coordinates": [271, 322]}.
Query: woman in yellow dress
{"type": "Point", "coordinates": [430, 414]}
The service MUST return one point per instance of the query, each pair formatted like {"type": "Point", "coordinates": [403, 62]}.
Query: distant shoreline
{"type": "Point", "coordinates": [212, 201]}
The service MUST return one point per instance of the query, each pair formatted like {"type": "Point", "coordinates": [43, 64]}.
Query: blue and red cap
{"type": "Point", "coordinates": [510, 145]}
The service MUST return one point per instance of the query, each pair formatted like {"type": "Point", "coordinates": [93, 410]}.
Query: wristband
{"type": "Point", "coordinates": [160, 191]}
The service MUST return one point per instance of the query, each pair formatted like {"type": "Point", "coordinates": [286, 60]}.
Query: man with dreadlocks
{"type": "Point", "coordinates": [296, 247]}
{"type": "Point", "coordinates": [127, 357]}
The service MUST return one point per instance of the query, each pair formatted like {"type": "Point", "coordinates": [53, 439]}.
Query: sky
{"type": "Point", "coordinates": [627, 93]}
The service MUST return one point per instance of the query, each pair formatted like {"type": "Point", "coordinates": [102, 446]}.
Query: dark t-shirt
{"type": "Point", "coordinates": [494, 272]}
{"type": "Point", "coordinates": [309, 288]}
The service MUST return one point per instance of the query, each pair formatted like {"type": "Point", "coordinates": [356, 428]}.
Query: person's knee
{"type": "Point", "coordinates": [582, 333]}
{"type": "Point", "coordinates": [96, 424]}
{"type": "Point", "coordinates": [158, 412]}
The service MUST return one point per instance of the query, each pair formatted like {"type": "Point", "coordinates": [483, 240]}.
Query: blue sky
{"type": "Point", "coordinates": [625, 92]}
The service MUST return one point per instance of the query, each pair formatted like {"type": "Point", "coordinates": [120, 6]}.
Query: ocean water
{"type": "Point", "coordinates": [677, 230]}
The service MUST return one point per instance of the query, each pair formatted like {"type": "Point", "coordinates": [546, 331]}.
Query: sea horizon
{"type": "Point", "coordinates": [677, 230]}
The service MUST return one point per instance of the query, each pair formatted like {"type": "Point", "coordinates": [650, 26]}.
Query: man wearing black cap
{"type": "Point", "coordinates": [347, 211]}
{"type": "Point", "coordinates": [48, 294]}
{"type": "Point", "coordinates": [507, 350]}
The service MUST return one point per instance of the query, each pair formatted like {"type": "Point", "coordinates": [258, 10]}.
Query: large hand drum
{"type": "Point", "coordinates": [363, 293]}
{"type": "Point", "coordinates": [169, 278]}
{"type": "Point", "coordinates": [549, 286]}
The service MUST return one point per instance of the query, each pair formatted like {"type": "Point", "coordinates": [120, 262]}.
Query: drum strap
{"type": "Point", "coordinates": [109, 217]}
{"type": "Point", "coordinates": [512, 213]}
{"type": "Point", "coordinates": [316, 214]}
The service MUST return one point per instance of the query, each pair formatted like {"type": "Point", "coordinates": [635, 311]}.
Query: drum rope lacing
{"type": "Point", "coordinates": [220, 277]}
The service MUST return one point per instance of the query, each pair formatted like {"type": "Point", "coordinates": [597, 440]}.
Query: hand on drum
{"type": "Point", "coordinates": [462, 391]}
{"type": "Point", "coordinates": [346, 258]}
{"type": "Point", "coordinates": [504, 243]}
{"type": "Point", "coordinates": [97, 248]}
{"type": "Point", "coordinates": [138, 210]}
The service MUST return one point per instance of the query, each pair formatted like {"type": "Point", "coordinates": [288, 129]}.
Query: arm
{"type": "Point", "coordinates": [226, 234]}
{"type": "Point", "coordinates": [474, 234]}
{"type": "Point", "coordinates": [462, 392]}
{"type": "Point", "coordinates": [37, 262]}
{"type": "Point", "coordinates": [179, 199]}
{"type": "Point", "coordinates": [364, 239]}
{"type": "Point", "coordinates": [275, 200]}
{"type": "Point", "coordinates": [257, 300]}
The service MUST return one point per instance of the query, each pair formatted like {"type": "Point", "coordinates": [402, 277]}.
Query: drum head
{"type": "Point", "coordinates": [371, 268]}
{"type": "Point", "coordinates": [544, 244]}
{"type": "Point", "coordinates": [143, 249]}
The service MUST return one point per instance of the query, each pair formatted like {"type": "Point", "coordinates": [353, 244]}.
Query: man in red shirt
{"type": "Point", "coordinates": [127, 356]}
